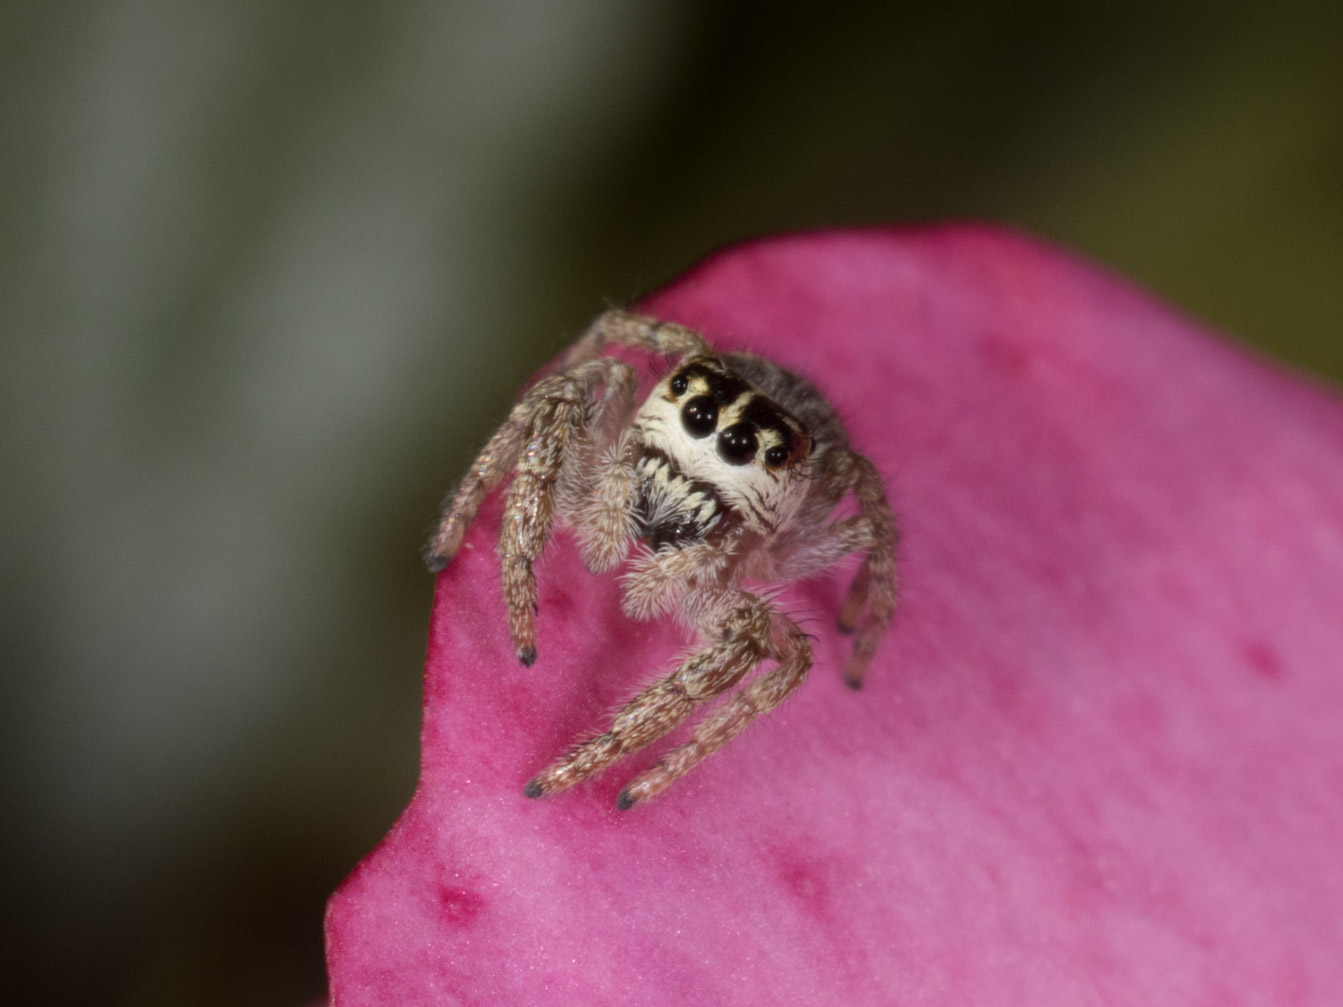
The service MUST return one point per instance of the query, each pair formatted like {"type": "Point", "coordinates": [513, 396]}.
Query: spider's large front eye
{"type": "Point", "coordinates": [679, 384]}
{"type": "Point", "coordinates": [700, 416]}
{"type": "Point", "coordinates": [737, 444]}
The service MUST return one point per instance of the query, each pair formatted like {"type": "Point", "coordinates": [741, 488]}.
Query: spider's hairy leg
{"type": "Point", "coordinates": [874, 588]}
{"type": "Point", "coordinates": [663, 705]}
{"type": "Point", "coordinates": [560, 408]}
{"type": "Point", "coordinates": [810, 554]}
{"type": "Point", "coordinates": [856, 599]}
{"type": "Point", "coordinates": [627, 328]}
{"type": "Point", "coordinates": [500, 454]}
{"type": "Point", "coordinates": [657, 581]}
{"type": "Point", "coordinates": [597, 487]}
{"type": "Point", "coordinates": [605, 521]}
{"type": "Point", "coordinates": [495, 461]}
{"type": "Point", "coordinates": [761, 696]}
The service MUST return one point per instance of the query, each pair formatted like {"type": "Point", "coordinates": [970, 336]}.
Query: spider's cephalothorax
{"type": "Point", "coordinates": [727, 473]}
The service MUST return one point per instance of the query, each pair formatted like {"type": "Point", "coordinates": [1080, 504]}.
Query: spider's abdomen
{"type": "Point", "coordinates": [670, 509]}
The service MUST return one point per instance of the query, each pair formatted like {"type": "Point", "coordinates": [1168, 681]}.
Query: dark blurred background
{"type": "Point", "coordinates": [270, 272]}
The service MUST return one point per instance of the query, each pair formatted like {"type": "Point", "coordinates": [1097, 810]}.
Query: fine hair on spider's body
{"type": "Point", "coordinates": [727, 473]}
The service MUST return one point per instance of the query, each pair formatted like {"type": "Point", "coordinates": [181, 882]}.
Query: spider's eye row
{"type": "Point", "coordinates": [700, 416]}
{"type": "Point", "coordinates": [679, 384]}
{"type": "Point", "coordinates": [776, 456]}
{"type": "Point", "coordinates": [737, 444]}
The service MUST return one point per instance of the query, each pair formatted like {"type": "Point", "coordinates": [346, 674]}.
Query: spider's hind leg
{"type": "Point", "coordinates": [874, 590]}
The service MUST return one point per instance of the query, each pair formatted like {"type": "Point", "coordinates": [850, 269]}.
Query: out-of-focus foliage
{"type": "Point", "coordinates": [270, 271]}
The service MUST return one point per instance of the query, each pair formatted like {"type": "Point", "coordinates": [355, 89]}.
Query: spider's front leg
{"type": "Point", "coordinates": [619, 327]}
{"type": "Point", "coordinates": [494, 462]}
{"type": "Point", "coordinates": [548, 437]}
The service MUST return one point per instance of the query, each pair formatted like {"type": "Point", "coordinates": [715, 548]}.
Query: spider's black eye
{"type": "Point", "coordinates": [776, 456]}
{"type": "Point", "coordinates": [699, 416]}
{"type": "Point", "coordinates": [679, 384]}
{"type": "Point", "coordinates": [737, 444]}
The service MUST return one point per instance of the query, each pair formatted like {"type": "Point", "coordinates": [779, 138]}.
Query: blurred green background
{"type": "Point", "coordinates": [270, 272]}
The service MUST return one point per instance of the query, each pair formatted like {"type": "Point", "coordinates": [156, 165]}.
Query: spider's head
{"type": "Point", "coordinates": [720, 429]}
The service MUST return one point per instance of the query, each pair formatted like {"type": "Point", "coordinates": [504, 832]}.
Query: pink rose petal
{"type": "Point", "coordinates": [1099, 760]}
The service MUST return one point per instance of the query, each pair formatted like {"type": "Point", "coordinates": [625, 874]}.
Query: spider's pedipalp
{"type": "Point", "coordinates": [606, 523]}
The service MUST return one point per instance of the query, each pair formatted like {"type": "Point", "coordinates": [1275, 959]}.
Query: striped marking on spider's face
{"type": "Point", "coordinates": [718, 429]}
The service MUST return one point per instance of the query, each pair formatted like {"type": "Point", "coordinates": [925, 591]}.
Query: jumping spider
{"type": "Point", "coordinates": [727, 473]}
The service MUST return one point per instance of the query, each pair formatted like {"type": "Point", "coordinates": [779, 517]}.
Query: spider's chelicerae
{"type": "Point", "coordinates": [727, 474]}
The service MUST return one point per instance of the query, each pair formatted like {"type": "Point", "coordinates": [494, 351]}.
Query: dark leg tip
{"type": "Point", "coordinates": [527, 655]}
{"type": "Point", "coordinates": [854, 683]}
{"type": "Point", "coordinates": [625, 801]}
{"type": "Point", "coordinates": [845, 627]}
{"type": "Point", "coordinates": [534, 789]}
{"type": "Point", "coordinates": [437, 564]}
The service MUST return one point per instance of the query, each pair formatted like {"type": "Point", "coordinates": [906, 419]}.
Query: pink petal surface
{"type": "Point", "coordinates": [1099, 760]}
